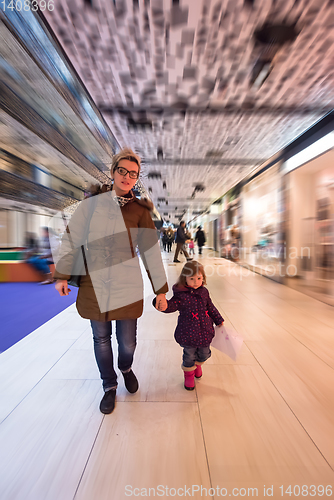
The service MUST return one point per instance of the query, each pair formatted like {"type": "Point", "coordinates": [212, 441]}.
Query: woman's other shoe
{"type": "Point", "coordinates": [131, 382]}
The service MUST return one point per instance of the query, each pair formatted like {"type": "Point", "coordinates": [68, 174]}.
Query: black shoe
{"type": "Point", "coordinates": [176, 261]}
{"type": "Point", "coordinates": [131, 382]}
{"type": "Point", "coordinates": [107, 404]}
{"type": "Point", "coordinates": [189, 259]}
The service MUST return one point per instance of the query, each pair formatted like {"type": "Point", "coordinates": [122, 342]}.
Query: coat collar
{"type": "Point", "coordinates": [97, 189]}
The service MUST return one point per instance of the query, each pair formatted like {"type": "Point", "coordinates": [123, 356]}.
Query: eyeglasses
{"type": "Point", "coordinates": [123, 171]}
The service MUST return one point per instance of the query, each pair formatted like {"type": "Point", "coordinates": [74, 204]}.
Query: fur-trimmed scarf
{"type": "Point", "coordinates": [96, 189]}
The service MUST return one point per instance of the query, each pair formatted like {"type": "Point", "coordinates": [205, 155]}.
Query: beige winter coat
{"type": "Point", "coordinates": [113, 288]}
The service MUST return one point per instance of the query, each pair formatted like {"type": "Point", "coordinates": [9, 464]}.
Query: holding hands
{"type": "Point", "coordinates": [161, 302]}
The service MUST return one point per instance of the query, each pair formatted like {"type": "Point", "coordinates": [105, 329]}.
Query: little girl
{"type": "Point", "coordinates": [191, 246]}
{"type": "Point", "coordinates": [194, 331]}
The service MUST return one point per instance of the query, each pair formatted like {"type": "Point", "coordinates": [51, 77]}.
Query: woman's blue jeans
{"type": "Point", "coordinates": [126, 334]}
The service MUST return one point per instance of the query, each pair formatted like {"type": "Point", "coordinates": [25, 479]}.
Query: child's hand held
{"type": "Point", "coordinates": [161, 303]}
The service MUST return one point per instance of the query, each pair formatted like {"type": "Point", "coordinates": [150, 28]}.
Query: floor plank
{"type": "Point", "coordinates": [47, 439]}
{"type": "Point", "coordinates": [146, 445]}
{"type": "Point", "coordinates": [264, 420]}
{"type": "Point", "coordinates": [252, 437]}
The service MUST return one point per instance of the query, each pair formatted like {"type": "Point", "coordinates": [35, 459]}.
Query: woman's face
{"type": "Point", "coordinates": [195, 281]}
{"type": "Point", "coordinates": [124, 183]}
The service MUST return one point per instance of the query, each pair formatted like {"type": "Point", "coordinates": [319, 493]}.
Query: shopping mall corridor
{"type": "Point", "coordinates": [265, 421]}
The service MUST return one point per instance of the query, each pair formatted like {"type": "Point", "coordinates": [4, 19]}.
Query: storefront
{"type": "Point", "coordinates": [263, 247]}
{"type": "Point", "coordinates": [229, 225]}
{"type": "Point", "coordinates": [310, 191]}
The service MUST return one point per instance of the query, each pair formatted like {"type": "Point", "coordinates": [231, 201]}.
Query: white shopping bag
{"type": "Point", "coordinates": [227, 341]}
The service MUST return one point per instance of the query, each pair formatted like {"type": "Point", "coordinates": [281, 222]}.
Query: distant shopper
{"type": "Point", "coordinates": [194, 331]}
{"type": "Point", "coordinates": [200, 238]}
{"type": "Point", "coordinates": [164, 240]}
{"type": "Point", "coordinates": [30, 245]}
{"type": "Point", "coordinates": [41, 256]}
{"type": "Point", "coordinates": [191, 246]}
{"type": "Point", "coordinates": [180, 240]}
{"type": "Point", "coordinates": [170, 239]}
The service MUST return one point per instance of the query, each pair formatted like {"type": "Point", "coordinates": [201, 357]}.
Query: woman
{"type": "Point", "coordinates": [112, 288]}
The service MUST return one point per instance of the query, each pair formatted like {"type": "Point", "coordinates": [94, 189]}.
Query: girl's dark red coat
{"type": "Point", "coordinates": [196, 318]}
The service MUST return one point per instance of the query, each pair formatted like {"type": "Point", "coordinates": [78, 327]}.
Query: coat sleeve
{"type": "Point", "coordinates": [69, 260]}
{"type": "Point", "coordinates": [173, 305]}
{"type": "Point", "coordinates": [150, 253]}
{"type": "Point", "coordinates": [213, 312]}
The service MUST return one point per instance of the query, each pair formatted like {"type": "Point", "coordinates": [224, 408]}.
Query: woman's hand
{"type": "Point", "coordinates": [161, 302]}
{"type": "Point", "coordinates": [62, 287]}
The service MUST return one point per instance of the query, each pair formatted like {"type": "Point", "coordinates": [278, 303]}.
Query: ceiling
{"type": "Point", "coordinates": [39, 116]}
{"type": "Point", "coordinates": [178, 77]}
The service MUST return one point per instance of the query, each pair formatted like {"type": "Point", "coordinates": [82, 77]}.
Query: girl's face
{"type": "Point", "coordinates": [124, 183]}
{"type": "Point", "coordinates": [195, 281]}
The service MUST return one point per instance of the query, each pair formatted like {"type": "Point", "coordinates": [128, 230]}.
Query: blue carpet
{"type": "Point", "coordinates": [26, 306]}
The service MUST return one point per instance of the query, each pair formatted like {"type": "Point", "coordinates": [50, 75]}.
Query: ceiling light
{"type": "Point", "coordinates": [316, 149]}
{"type": "Point", "coordinates": [260, 73]}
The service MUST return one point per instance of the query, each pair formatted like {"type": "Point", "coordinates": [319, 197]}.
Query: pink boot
{"type": "Point", "coordinates": [189, 380]}
{"type": "Point", "coordinates": [198, 371]}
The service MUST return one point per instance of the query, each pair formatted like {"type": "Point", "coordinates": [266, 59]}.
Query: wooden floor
{"type": "Point", "coordinates": [265, 422]}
